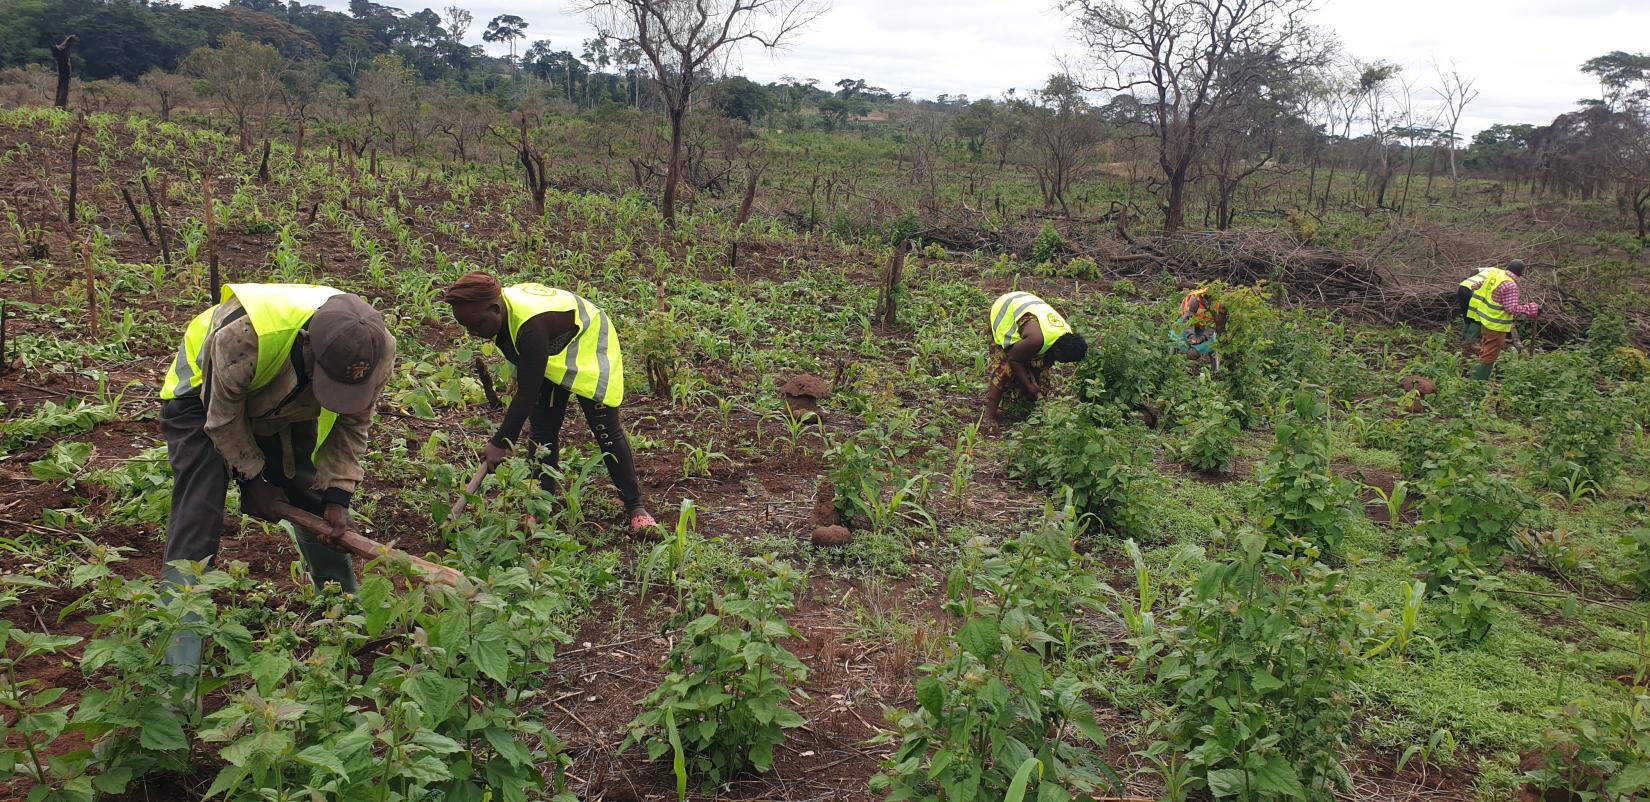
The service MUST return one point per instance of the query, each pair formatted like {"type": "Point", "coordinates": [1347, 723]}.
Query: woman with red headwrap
{"type": "Point", "coordinates": [554, 336]}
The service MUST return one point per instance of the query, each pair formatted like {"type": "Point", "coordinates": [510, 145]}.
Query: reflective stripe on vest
{"type": "Point", "coordinates": [592, 366]}
{"type": "Point", "coordinates": [1005, 320]}
{"type": "Point", "coordinates": [1484, 309]}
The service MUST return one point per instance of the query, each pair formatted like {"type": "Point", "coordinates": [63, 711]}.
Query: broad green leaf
{"type": "Point", "coordinates": [931, 695]}
{"type": "Point", "coordinates": [981, 638]}
{"type": "Point", "coordinates": [161, 729]}
{"type": "Point", "coordinates": [1017, 787]}
{"type": "Point", "coordinates": [1227, 782]}
{"type": "Point", "coordinates": [490, 654]}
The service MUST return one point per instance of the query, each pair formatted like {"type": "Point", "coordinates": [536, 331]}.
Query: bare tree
{"type": "Point", "coordinates": [1060, 137]}
{"type": "Point", "coordinates": [1193, 61]}
{"type": "Point", "coordinates": [244, 75]}
{"type": "Point", "coordinates": [166, 91]}
{"type": "Point", "coordinates": [1455, 90]}
{"type": "Point", "coordinates": [681, 40]}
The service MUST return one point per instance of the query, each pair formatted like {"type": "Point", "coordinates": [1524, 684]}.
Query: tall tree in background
{"type": "Point", "coordinates": [1455, 90]}
{"type": "Point", "coordinates": [243, 75]}
{"type": "Point", "coordinates": [1193, 62]}
{"type": "Point", "coordinates": [680, 40]}
{"type": "Point", "coordinates": [459, 20]}
{"type": "Point", "coordinates": [505, 28]}
{"type": "Point", "coordinates": [1060, 136]}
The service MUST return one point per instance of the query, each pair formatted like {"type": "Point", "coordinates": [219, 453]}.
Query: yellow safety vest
{"type": "Point", "coordinates": [1005, 320]}
{"type": "Point", "coordinates": [1476, 277]}
{"type": "Point", "coordinates": [277, 312]}
{"type": "Point", "coordinates": [1484, 309]}
{"type": "Point", "coordinates": [591, 366]}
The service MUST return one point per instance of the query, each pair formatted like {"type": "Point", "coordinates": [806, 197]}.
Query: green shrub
{"type": "Point", "coordinates": [1580, 441]}
{"type": "Point", "coordinates": [1048, 245]}
{"type": "Point", "coordinates": [1004, 713]}
{"type": "Point", "coordinates": [1592, 753]}
{"type": "Point", "coordinates": [1258, 658]}
{"type": "Point", "coordinates": [1062, 447]}
{"type": "Point", "coordinates": [1301, 503]}
{"type": "Point", "coordinates": [1206, 425]}
{"type": "Point", "coordinates": [721, 707]}
{"type": "Point", "coordinates": [1638, 544]}
{"type": "Point", "coordinates": [1131, 367]}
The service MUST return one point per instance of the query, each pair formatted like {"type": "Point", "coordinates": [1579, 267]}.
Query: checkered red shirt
{"type": "Point", "coordinates": [1507, 296]}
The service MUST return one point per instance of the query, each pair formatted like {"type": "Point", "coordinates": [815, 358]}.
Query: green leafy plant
{"type": "Point", "coordinates": [1300, 502]}
{"type": "Point", "coordinates": [1207, 426]}
{"type": "Point", "coordinates": [1003, 705]}
{"type": "Point", "coordinates": [1256, 666]}
{"type": "Point", "coordinates": [722, 706]}
{"type": "Point", "coordinates": [33, 723]}
{"type": "Point", "coordinates": [1048, 245]}
{"type": "Point", "coordinates": [1638, 543]}
{"type": "Point", "coordinates": [1597, 752]}
{"type": "Point", "coordinates": [1063, 447]}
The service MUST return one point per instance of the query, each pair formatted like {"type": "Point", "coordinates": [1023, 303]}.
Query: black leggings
{"type": "Point", "coordinates": [547, 416]}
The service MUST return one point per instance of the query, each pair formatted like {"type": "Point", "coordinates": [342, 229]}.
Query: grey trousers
{"type": "Point", "coordinates": [200, 485]}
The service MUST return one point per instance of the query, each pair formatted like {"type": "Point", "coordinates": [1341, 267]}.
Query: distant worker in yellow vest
{"type": "Point", "coordinates": [1491, 311]}
{"type": "Point", "coordinates": [562, 345]}
{"type": "Point", "coordinates": [274, 387]}
{"type": "Point", "coordinates": [1027, 337]}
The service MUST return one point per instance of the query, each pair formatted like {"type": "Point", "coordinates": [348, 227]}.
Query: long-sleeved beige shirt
{"type": "Point", "coordinates": [235, 416]}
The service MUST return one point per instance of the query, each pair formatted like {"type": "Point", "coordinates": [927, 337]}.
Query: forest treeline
{"type": "Point", "coordinates": [1208, 128]}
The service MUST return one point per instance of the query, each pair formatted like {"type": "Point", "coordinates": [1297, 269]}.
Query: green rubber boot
{"type": "Point", "coordinates": [1482, 372]}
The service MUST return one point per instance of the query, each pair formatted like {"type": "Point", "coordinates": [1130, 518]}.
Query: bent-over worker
{"type": "Point", "coordinates": [1491, 312]}
{"type": "Point", "coordinates": [274, 387]}
{"type": "Point", "coordinates": [562, 346]}
{"type": "Point", "coordinates": [1198, 328]}
{"type": "Point", "coordinates": [1027, 337]}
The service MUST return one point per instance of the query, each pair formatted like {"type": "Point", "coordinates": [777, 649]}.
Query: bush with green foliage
{"type": "Point", "coordinates": [1597, 752]}
{"type": "Point", "coordinates": [1637, 542]}
{"type": "Point", "coordinates": [1257, 660]}
{"type": "Point", "coordinates": [1131, 367]}
{"type": "Point", "coordinates": [1580, 441]}
{"type": "Point", "coordinates": [1251, 324]}
{"type": "Point", "coordinates": [722, 706]}
{"type": "Point", "coordinates": [1301, 504]}
{"type": "Point", "coordinates": [1206, 427]}
{"type": "Point", "coordinates": [1048, 245]}
{"type": "Point", "coordinates": [1103, 466]}
{"type": "Point", "coordinates": [1005, 713]}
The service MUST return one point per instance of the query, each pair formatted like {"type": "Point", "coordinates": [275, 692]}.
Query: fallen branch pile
{"type": "Point", "coordinates": [1367, 285]}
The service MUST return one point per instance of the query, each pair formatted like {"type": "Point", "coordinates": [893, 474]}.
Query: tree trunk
{"type": "Point", "coordinates": [750, 197]}
{"type": "Point", "coordinates": [1174, 211]}
{"type": "Point", "coordinates": [1454, 178]}
{"type": "Point", "coordinates": [298, 150]}
{"type": "Point", "coordinates": [60, 54]}
{"type": "Point", "coordinates": [673, 168]}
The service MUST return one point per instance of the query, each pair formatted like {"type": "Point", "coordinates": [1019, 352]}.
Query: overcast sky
{"type": "Point", "coordinates": [1524, 54]}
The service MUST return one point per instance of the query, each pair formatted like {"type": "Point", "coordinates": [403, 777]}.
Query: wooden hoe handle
{"type": "Point", "coordinates": [368, 549]}
{"type": "Point", "coordinates": [470, 489]}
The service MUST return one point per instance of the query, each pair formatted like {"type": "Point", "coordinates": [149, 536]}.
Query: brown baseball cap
{"type": "Point", "coordinates": [348, 338]}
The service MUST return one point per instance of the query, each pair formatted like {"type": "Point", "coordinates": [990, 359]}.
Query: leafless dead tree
{"type": "Point", "coordinates": [681, 40]}
{"type": "Point", "coordinates": [1191, 62]}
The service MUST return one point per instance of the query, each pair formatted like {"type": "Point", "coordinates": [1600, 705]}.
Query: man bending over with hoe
{"type": "Point", "coordinates": [274, 387]}
{"type": "Point", "coordinates": [1027, 337]}
{"type": "Point", "coordinates": [1490, 313]}
{"type": "Point", "coordinates": [562, 345]}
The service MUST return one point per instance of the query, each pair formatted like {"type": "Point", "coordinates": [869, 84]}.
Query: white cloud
{"type": "Point", "coordinates": [1525, 54]}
